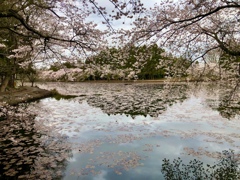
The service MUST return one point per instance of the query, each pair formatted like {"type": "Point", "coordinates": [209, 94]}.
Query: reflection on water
{"type": "Point", "coordinates": [225, 168]}
{"type": "Point", "coordinates": [124, 131]}
{"type": "Point", "coordinates": [27, 151]}
{"type": "Point", "coordinates": [152, 99]}
{"type": "Point", "coordinates": [143, 99]}
{"type": "Point", "coordinates": [230, 105]}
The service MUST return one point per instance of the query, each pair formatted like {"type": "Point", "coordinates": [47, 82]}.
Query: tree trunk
{"type": "Point", "coordinates": [4, 84]}
{"type": "Point", "coordinates": [11, 81]}
{"type": "Point", "coordinates": [239, 69]}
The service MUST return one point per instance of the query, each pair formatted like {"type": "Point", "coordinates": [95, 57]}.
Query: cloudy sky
{"type": "Point", "coordinates": [118, 24]}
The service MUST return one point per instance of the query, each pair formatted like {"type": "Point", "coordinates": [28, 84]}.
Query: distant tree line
{"type": "Point", "coordinates": [134, 62]}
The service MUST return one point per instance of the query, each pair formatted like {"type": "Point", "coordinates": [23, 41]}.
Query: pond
{"type": "Point", "coordinates": [126, 131]}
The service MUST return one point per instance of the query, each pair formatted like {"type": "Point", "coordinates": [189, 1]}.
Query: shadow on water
{"type": "Point", "coordinates": [226, 168]}
{"type": "Point", "coordinates": [27, 149]}
{"type": "Point", "coordinates": [56, 95]}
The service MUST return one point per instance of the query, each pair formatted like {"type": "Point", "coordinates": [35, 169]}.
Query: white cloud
{"type": "Point", "coordinates": [101, 176]}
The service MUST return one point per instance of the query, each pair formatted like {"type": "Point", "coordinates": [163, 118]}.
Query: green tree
{"type": "Point", "coordinates": [230, 64]}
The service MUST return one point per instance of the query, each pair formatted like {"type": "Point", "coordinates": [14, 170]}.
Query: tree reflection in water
{"type": "Point", "coordinates": [144, 99]}
{"type": "Point", "coordinates": [152, 99]}
{"type": "Point", "coordinates": [227, 168]}
{"type": "Point", "coordinates": [141, 99]}
{"type": "Point", "coordinates": [27, 149]}
{"type": "Point", "coordinates": [228, 102]}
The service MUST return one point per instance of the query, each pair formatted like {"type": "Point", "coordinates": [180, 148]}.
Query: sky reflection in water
{"type": "Point", "coordinates": [111, 145]}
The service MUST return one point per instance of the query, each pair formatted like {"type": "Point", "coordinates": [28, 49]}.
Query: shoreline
{"type": "Point", "coordinates": [23, 94]}
{"type": "Point", "coordinates": [118, 81]}
{"type": "Point", "coordinates": [27, 94]}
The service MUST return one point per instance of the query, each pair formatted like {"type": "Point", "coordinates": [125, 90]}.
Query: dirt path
{"type": "Point", "coordinates": [23, 94]}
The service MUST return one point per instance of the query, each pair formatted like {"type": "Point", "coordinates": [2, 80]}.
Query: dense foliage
{"type": "Point", "coordinates": [127, 63]}
{"type": "Point", "coordinates": [142, 62]}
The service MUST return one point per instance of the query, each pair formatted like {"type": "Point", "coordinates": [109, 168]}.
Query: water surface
{"type": "Point", "coordinates": [125, 131]}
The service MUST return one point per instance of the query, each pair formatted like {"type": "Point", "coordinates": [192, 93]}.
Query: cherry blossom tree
{"type": "Point", "coordinates": [64, 30]}
{"type": "Point", "coordinates": [56, 30]}
{"type": "Point", "coordinates": [51, 24]}
{"type": "Point", "coordinates": [191, 27]}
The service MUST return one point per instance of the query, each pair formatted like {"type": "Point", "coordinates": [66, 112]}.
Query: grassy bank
{"type": "Point", "coordinates": [23, 94]}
